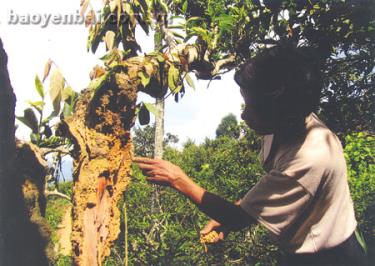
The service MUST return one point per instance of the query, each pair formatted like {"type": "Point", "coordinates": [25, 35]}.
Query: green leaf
{"type": "Point", "coordinates": [163, 6]}
{"type": "Point", "coordinates": [119, 10]}
{"type": "Point", "coordinates": [112, 6]}
{"type": "Point", "coordinates": [151, 107]}
{"type": "Point", "coordinates": [51, 116]}
{"type": "Point", "coordinates": [199, 31]}
{"type": "Point", "coordinates": [67, 93]}
{"type": "Point", "coordinates": [145, 79]}
{"type": "Point", "coordinates": [226, 22]}
{"type": "Point", "coordinates": [149, 68]}
{"type": "Point", "coordinates": [47, 69]}
{"type": "Point", "coordinates": [95, 37]}
{"type": "Point", "coordinates": [361, 240]}
{"type": "Point", "coordinates": [177, 17]}
{"type": "Point", "coordinates": [57, 83]}
{"type": "Point", "coordinates": [98, 82]}
{"type": "Point", "coordinates": [39, 87]}
{"type": "Point", "coordinates": [109, 39]}
{"type": "Point", "coordinates": [29, 119]}
{"type": "Point", "coordinates": [39, 105]}
{"type": "Point", "coordinates": [178, 88]}
{"type": "Point", "coordinates": [84, 5]}
{"type": "Point", "coordinates": [178, 35]}
{"type": "Point", "coordinates": [194, 19]}
{"type": "Point", "coordinates": [189, 81]}
{"type": "Point", "coordinates": [67, 110]}
{"type": "Point", "coordinates": [184, 6]}
{"type": "Point", "coordinates": [178, 26]}
{"type": "Point", "coordinates": [160, 58]}
{"type": "Point", "coordinates": [35, 137]}
{"type": "Point", "coordinates": [173, 78]}
{"type": "Point", "coordinates": [144, 115]}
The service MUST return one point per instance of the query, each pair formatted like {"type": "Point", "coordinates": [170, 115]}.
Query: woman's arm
{"type": "Point", "coordinates": [161, 172]}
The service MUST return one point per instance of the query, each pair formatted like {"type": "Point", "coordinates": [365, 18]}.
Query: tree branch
{"type": "Point", "coordinates": [49, 193]}
{"type": "Point", "coordinates": [223, 63]}
{"type": "Point", "coordinates": [46, 151]}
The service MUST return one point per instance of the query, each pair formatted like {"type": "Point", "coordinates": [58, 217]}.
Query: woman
{"type": "Point", "coordinates": [304, 198]}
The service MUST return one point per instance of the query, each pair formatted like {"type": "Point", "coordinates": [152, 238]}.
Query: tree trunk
{"type": "Point", "coordinates": [159, 127]}
{"type": "Point", "coordinates": [100, 130]}
{"type": "Point", "coordinates": [7, 155]}
{"type": "Point", "coordinates": [24, 233]}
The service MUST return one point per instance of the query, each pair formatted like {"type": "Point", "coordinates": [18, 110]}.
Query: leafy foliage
{"type": "Point", "coordinates": [144, 138]}
{"type": "Point", "coordinates": [228, 127]}
{"type": "Point", "coordinates": [226, 166]}
{"type": "Point", "coordinates": [34, 117]}
{"type": "Point", "coordinates": [54, 213]}
{"type": "Point", "coordinates": [360, 156]}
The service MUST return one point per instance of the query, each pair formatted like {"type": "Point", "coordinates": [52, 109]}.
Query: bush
{"type": "Point", "coordinates": [360, 155]}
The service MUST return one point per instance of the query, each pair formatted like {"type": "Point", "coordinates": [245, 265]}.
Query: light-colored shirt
{"type": "Point", "coordinates": [304, 199]}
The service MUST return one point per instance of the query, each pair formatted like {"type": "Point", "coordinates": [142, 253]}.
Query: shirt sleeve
{"type": "Point", "coordinates": [276, 201]}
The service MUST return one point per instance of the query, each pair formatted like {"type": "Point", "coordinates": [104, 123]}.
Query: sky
{"type": "Point", "coordinates": [29, 44]}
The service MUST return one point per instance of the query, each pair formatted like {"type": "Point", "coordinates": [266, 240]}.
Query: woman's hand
{"type": "Point", "coordinates": [161, 172]}
{"type": "Point", "coordinates": [213, 225]}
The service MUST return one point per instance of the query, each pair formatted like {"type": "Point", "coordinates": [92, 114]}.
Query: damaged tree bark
{"type": "Point", "coordinates": [100, 130]}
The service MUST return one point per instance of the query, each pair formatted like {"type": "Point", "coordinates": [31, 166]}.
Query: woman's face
{"type": "Point", "coordinates": [252, 116]}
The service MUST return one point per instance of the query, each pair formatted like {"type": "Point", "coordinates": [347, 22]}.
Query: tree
{"type": "Point", "coordinates": [143, 139]}
{"type": "Point", "coordinates": [24, 233]}
{"type": "Point", "coordinates": [228, 127]}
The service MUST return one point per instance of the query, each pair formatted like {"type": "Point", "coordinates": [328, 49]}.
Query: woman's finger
{"type": "Point", "coordinates": [152, 172]}
{"type": "Point", "coordinates": [145, 166]}
{"type": "Point", "coordinates": [144, 160]}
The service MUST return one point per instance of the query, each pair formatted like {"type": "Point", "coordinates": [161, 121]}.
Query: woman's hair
{"type": "Point", "coordinates": [284, 81]}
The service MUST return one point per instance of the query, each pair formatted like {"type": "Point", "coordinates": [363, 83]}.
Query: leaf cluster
{"type": "Point", "coordinates": [63, 99]}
